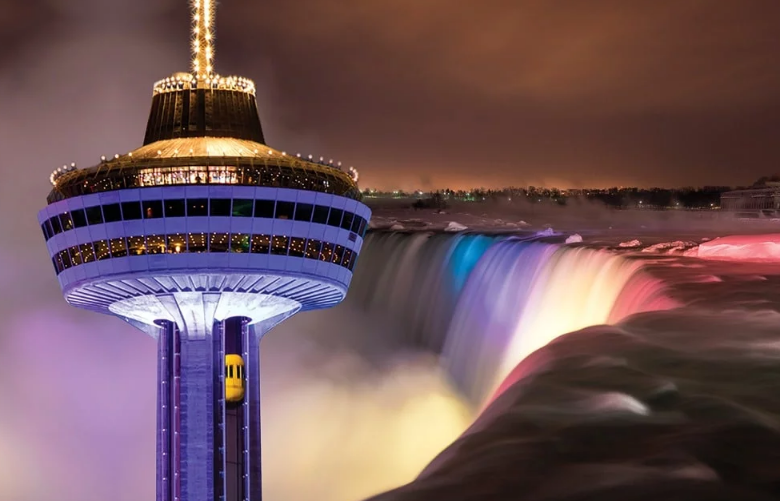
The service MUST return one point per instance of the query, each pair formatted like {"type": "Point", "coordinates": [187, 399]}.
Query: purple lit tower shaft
{"type": "Point", "coordinates": [205, 238]}
{"type": "Point", "coordinates": [190, 374]}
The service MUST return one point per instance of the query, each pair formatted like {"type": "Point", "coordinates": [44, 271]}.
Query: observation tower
{"type": "Point", "coordinates": [205, 238]}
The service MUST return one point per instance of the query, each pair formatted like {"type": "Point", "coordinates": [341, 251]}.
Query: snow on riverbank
{"type": "Point", "coordinates": [740, 248]}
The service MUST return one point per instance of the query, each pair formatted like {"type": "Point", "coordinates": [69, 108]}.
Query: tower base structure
{"type": "Point", "coordinates": [207, 448]}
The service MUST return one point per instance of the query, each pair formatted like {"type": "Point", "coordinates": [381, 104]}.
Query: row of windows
{"type": "Point", "coordinates": [204, 242]}
{"type": "Point", "coordinates": [120, 177]}
{"type": "Point", "coordinates": [199, 207]}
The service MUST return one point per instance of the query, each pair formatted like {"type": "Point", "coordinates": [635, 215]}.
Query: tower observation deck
{"type": "Point", "coordinates": [205, 238]}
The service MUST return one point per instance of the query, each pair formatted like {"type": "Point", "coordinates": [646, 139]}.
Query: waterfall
{"type": "Point", "coordinates": [486, 302]}
{"type": "Point", "coordinates": [414, 280]}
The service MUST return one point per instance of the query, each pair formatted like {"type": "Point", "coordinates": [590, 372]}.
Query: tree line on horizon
{"type": "Point", "coordinates": [705, 197]}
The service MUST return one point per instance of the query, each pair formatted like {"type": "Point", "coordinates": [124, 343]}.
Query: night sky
{"type": "Point", "coordinates": [435, 93]}
{"type": "Point", "coordinates": [424, 94]}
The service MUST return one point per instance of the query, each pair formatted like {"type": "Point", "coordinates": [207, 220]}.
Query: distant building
{"type": "Point", "coordinates": [753, 202]}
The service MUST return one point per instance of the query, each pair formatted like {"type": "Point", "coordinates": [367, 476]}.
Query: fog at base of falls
{"type": "Point", "coordinates": [347, 414]}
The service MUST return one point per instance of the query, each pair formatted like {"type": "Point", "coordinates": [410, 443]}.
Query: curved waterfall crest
{"type": "Point", "coordinates": [486, 302]}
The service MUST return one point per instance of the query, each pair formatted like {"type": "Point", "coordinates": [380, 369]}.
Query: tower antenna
{"type": "Point", "coordinates": [202, 40]}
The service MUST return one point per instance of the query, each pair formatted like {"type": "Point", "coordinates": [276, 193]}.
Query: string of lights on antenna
{"type": "Point", "coordinates": [202, 74]}
{"type": "Point", "coordinates": [202, 39]}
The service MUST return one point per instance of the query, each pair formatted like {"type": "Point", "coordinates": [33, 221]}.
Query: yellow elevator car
{"type": "Point", "coordinates": [234, 378]}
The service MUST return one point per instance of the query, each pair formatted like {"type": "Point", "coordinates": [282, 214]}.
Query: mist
{"type": "Point", "coordinates": [587, 217]}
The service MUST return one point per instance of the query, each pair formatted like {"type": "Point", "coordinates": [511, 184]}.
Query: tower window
{"type": "Point", "coordinates": [87, 252]}
{"type": "Point", "coordinates": [303, 212]}
{"type": "Point", "coordinates": [66, 222]}
{"type": "Point", "coordinates": [356, 224]}
{"type": "Point", "coordinates": [175, 208]}
{"type": "Point", "coordinates": [177, 244]}
{"type": "Point", "coordinates": [94, 215]}
{"type": "Point", "coordinates": [243, 207]}
{"type": "Point", "coordinates": [321, 214]}
{"type": "Point", "coordinates": [136, 246]}
{"type": "Point", "coordinates": [64, 258]}
{"type": "Point", "coordinates": [197, 207]}
{"type": "Point", "coordinates": [264, 208]}
{"type": "Point", "coordinates": [79, 218]}
{"type": "Point", "coordinates": [112, 213]}
{"type": "Point", "coordinates": [297, 246]}
{"type": "Point", "coordinates": [155, 244]}
{"type": "Point", "coordinates": [239, 242]}
{"type": "Point", "coordinates": [131, 211]}
{"type": "Point", "coordinates": [118, 247]}
{"type": "Point", "coordinates": [347, 258]}
{"type": "Point", "coordinates": [55, 225]}
{"type": "Point", "coordinates": [313, 248]}
{"type": "Point", "coordinates": [260, 244]}
{"type": "Point", "coordinates": [335, 217]}
{"type": "Point", "coordinates": [279, 245]}
{"type": "Point", "coordinates": [338, 254]}
{"type": "Point", "coordinates": [153, 209]}
{"type": "Point", "coordinates": [196, 242]}
{"type": "Point", "coordinates": [285, 210]}
{"type": "Point", "coordinates": [219, 242]}
{"type": "Point", "coordinates": [75, 255]}
{"type": "Point", "coordinates": [346, 223]}
{"type": "Point", "coordinates": [220, 207]}
{"type": "Point", "coordinates": [326, 254]}
{"type": "Point", "coordinates": [102, 250]}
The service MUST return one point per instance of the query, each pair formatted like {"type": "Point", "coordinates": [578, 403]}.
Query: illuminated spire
{"type": "Point", "coordinates": [202, 40]}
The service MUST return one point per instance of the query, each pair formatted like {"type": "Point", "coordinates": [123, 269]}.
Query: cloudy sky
{"type": "Point", "coordinates": [424, 93]}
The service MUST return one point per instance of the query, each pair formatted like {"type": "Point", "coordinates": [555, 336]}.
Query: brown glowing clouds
{"type": "Point", "coordinates": [433, 94]}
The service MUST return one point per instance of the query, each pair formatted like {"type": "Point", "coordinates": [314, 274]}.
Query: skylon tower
{"type": "Point", "coordinates": [205, 238]}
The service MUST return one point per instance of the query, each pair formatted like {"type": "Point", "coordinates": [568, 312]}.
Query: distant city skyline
{"type": "Point", "coordinates": [513, 93]}
{"type": "Point", "coordinates": [369, 190]}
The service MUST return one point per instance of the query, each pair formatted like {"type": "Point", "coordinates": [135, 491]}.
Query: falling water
{"type": "Point", "coordinates": [414, 281]}
{"type": "Point", "coordinates": [536, 293]}
{"type": "Point", "coordinates": [485, 303]}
